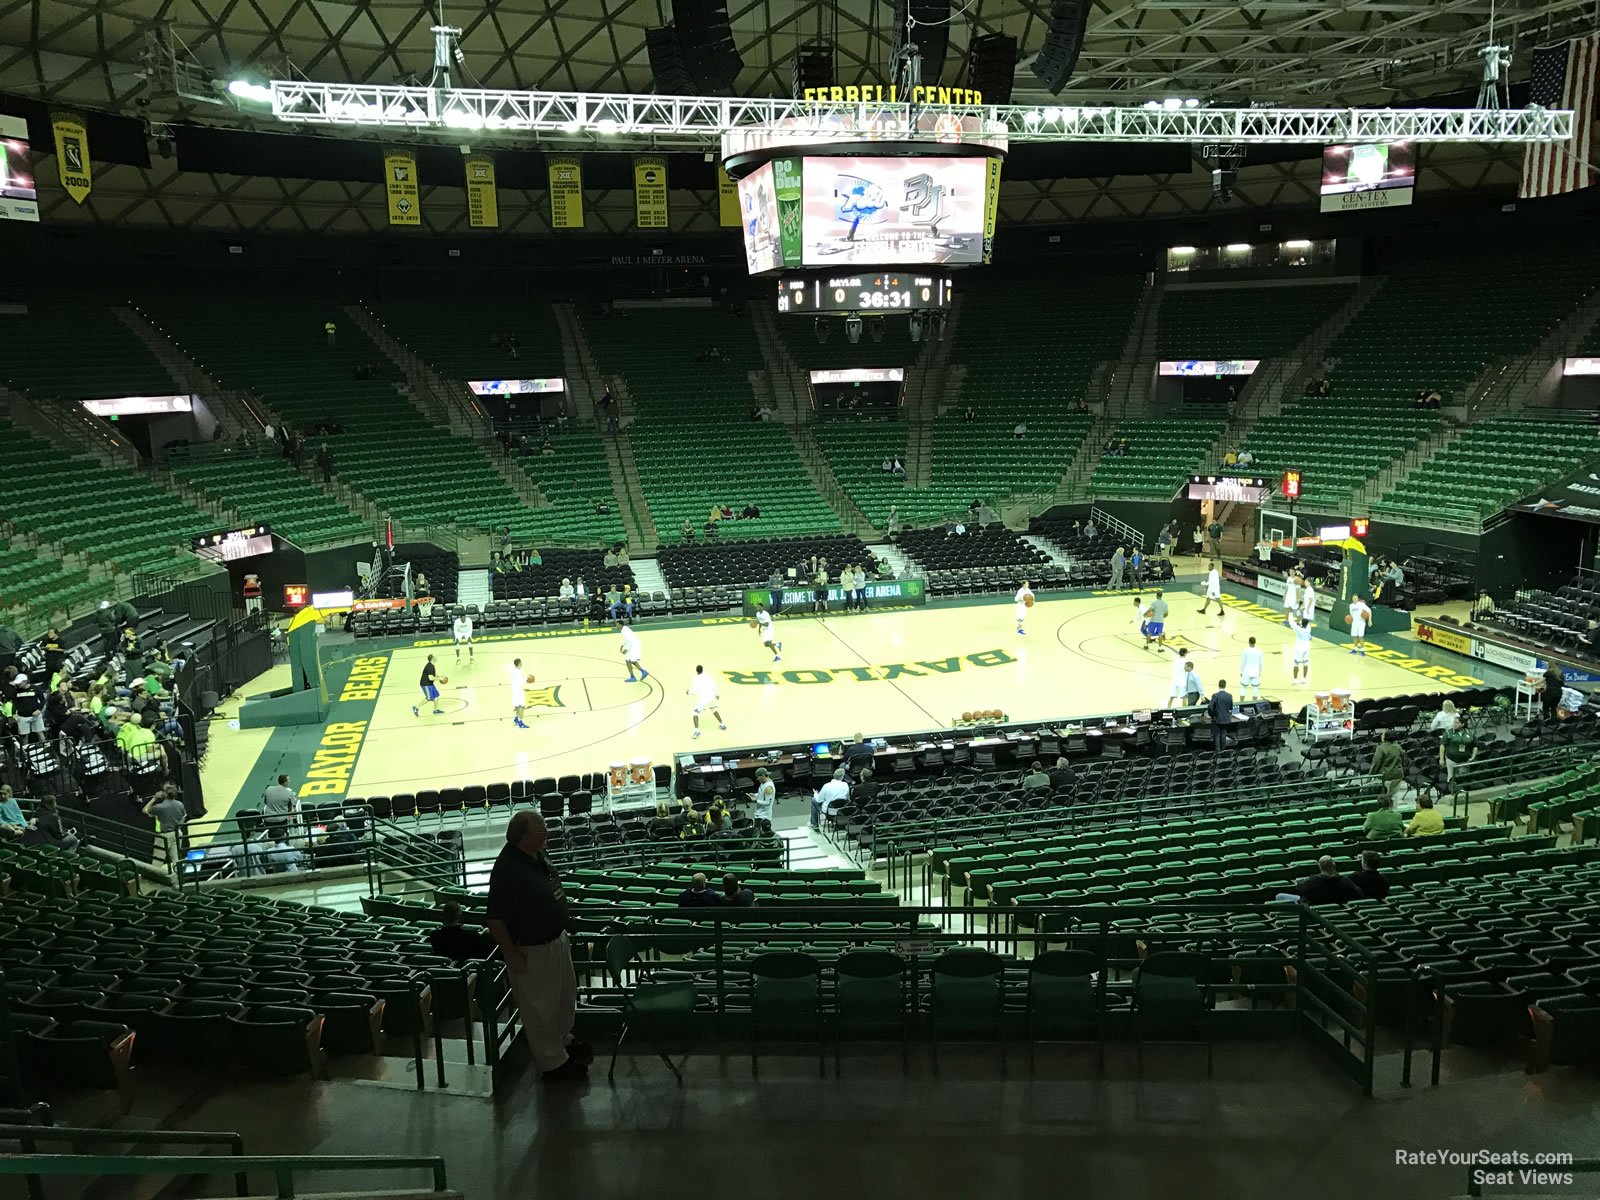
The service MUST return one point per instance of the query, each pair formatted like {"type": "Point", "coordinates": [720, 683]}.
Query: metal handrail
{"type": "Point", "coordinates": [28, 1136]}
{"type": "Point", "coordinates": [280, 1166]}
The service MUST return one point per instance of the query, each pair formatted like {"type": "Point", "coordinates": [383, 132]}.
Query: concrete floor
{"type": "Point", "coordinates": [1275, 1121]}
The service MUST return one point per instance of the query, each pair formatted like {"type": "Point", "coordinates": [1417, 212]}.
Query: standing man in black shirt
{"type": "Point", "coordinates": [27, 706]}
{"type": "Point", "coordinates": [527, 917]}
{"type": "Point", "coordinates": [430, 689]}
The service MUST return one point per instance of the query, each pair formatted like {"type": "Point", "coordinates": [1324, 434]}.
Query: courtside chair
{"type": "Point", "coordinates": [657, 1009]}
{"type": "Point", "coordinates": [966, 998]}
{"type": "Point", "coordinates": [1064, 1001]}
{"type": "Point", "coordinates": [786, 1000]}
{"type": "Point", "coordinates": [1171, 999]}
{"type": "Point", "coordinates": [870, 1000]}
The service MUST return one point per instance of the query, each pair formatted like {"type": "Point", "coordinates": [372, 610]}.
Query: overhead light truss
{"type": "Point", "coordinates": [626, 121]}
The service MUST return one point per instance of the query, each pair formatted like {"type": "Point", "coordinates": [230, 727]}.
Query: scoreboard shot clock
{"type": "Point", "coordinates": [866, 293]}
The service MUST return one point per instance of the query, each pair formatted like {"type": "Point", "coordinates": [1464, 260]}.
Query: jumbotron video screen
{"type": "Point", "coordinates": [893, 211]}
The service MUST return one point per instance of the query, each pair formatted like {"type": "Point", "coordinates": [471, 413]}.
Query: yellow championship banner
{"type": "Point", "coordinates": [483, 203]}
{"type": "Point", "coordinates": [991, 207]}
{"type": "Point", "coordinates": [72, 155]}
{"type": "Point", "coordinates": [728, 215]}
{"type": "Point", "coordinates": [566, 193]}
{"type": "Point", "coordinates": [400, 185]}
{"type": "Point", "coordinates": [650, 192]}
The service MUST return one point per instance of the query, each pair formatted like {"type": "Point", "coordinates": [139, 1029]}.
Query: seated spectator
{"type": "Point", "coordinates": [969, 416]}
{"type": "Point", "coordinates": [613, 601]}
{"type": "Point", "coordinates": [546, 447]}
{"type": "Point", "coordinates": [46, 830]}
{"type": "Point", "coordinates": [455, 941]}
{"type": "Point", "coordinates": [899, 468]}
{"type": "Point", "coordinates": [622, 554]}
{"type": "Point", "coordinates": [686, 534]}
{"type": "Point", "coordinates": [828, 796]}
{"type": "Point", "coordinates": [1327, 886]}
{"type": "Point", "coordinates": [698, 895]}
{"type": "Point", "coordinates": [601, 508]}
{"type": "Point", "coordinates": [864, 796]}
{"type": "Point", "coordinates": [609, 559]}
{"type": "Point", "coordinates": [858, 756]}
{"type": "Point", "coordinates": [282, 858]}
{"type": "Point", "coordinates": [735, 894]}
{"type": "Point", "coordinates": [749, 513]}
{"type": "Point", "coordinates": [1036, 777]}
{"type": "Point", "coordinates": [662, 826]}
{"type": "Point", "coordinates": [1445, 718]}
{"type": "Point", "coordinates": [1230, 459]}
{"type": "Point", "coordinates": [12, 823]}
{"type": "Point", "coordinates": [1368, 879]}
{"type": "Point", "coordinates": [719, 823]}
{"type": "Point", "coordinates": [566, 591]}
{"type": "Point", "coordinates": [887, 466]}
{"type": "Point", "coordinates": [629, 601]}
{"type": "Point", "coordinates": [714, 515]}
{"type": "Point", "coordinates": [1246, 458]}
{"type": "Point", "coordinates": [134, 739]}
{"type": "Point", "coordinates": [1020, 430]}
{"type": "Point", "coordinates": [1061, 775]}
{"type": "Point", "coordinates": [1382, 823]}
{"type": "Point", "coordinates": [1427, 821]}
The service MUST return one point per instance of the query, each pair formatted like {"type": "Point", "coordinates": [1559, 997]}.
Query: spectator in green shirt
{"type": "Point", "coordinates": [1382, 823]}
{"type": "Point", "coordinates": [1389, 763]}
{"type": "Point", "coordinates": [1456, 746]}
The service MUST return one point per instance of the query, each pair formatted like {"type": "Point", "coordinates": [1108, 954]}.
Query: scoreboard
{"type": "Point", "coordinates": [868, 292]}
{"type": "Point", "coordinates": [227, 545]}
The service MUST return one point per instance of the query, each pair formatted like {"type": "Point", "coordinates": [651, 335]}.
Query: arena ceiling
{"type": "Point", "coordinates": [118, 54]}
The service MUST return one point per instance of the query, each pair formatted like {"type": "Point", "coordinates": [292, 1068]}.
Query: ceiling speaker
{"type": "Point", "coordinates": [1062, 41]}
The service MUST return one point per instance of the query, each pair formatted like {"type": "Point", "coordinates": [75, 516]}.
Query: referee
{"type": "Point", "coordinates": [527, 917]}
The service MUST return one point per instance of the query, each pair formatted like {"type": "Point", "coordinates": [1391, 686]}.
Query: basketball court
{"type": "Point", "coordinates": [878, 673]}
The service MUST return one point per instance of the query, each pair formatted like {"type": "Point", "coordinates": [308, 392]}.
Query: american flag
{"type": "Point", "coordinates": [1563, 76]}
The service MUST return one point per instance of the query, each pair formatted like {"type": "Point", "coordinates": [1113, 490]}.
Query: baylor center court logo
{"type": "Point", "coordinates": [545, 697]}
{"type": "Point", "coordinates": [879, 673]}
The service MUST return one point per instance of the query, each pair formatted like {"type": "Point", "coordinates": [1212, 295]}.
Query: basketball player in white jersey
{"type": "Point", "coordinates": [631, 653]}
{"type": "Point", "coordinates": [704, 690]}
{"type": "Point", "coordinates": [463, 632]}
{"type": "Point", "coordinates": [1024, 600]}
{"type": "Point", "coordinates": [769, 635]}
{"type": "Point", "coordinates": [1308, 602]}
{"type": "Point", "coordinates": [1250, 672]}
{"type": "Point", "coordinates": [1301, 673]}
{"type": "Point", "coordinates": [1360, 614]}
{"type": "Point", "coordinates": [1179, 670]}
{"type": "Point", "coordinates": [1213, 589]}
{"type": "Point", "coordinates": [520, 680]}
{"type": "Point", "coordinates": [1291, 598]}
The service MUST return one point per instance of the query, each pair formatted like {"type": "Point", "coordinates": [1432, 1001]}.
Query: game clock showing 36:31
{"type": "Point", "coordinates": [868, 292]}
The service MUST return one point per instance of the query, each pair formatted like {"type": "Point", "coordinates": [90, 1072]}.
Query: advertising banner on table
{"type": "Point", "coordinates": [400, 188]}
{"type": "Point", "coordinates": [883, 591]}
{"type": "Point", "coordinates": [566, 193]}
{"type": "Point", "coordinates": [758, 218]}
{"type": "Point", "coordinates": [891, 211]}
{"type": "Point", "coordinates": [991, 206]}
{"type": "Point", "coordinates": [727, 200]}
{"type": "Point", "coordinates": [650, 192]}
{"type": "Point", "coordinates": [72, 155]}
{"type": "Point", "coordinates": [483, 202]}
{"type": "Point", "coordinates": [788, 185]}
{"type": "Point", "coordinates": [1577, 498]}
{"type": "Point", "coordinates": [19, 197]}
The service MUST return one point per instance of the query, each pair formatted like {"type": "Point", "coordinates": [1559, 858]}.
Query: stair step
{"type": "Point", "coordinates": [473, 587]}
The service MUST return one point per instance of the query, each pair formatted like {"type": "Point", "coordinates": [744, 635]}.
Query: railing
{"type": "Point", "coordinates": [1121, 936]}
{"type": "Point", "coordinates": [28, 1138]}
{"type": "Point", "coordinates": [1132, 538]}
{"type": "Point", "coordinates": [281, 1168]}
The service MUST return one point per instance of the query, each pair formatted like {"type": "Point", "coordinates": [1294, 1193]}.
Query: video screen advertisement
{"type": "Point", "coordinates": [1380, 175]}
{"type": "Point", "coordinates": [19, 200]}
{"type": "Point", "coordinates": [893, 211]}
{"type": "Point", "coordinates": [758, 215]}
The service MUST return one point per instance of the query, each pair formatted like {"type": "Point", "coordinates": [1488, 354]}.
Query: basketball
{"type": "Point", "coordinates": [1028, 600]}
{"type": "Point", "coordinates": [1347, 618]}
{"type": "Point", "coordinates": [528, 678]}
{"type": "Point", "coordinates": [443, 679]}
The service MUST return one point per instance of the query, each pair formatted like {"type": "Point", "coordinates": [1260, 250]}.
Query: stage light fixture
{"type": "Point", "coordinates": [250, 92]}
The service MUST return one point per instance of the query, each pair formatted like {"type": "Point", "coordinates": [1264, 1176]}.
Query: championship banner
{"type": "Point", "coordinates": [650, 192]}
{"type": "Point", "coordinates": [400, 185]}
{"type": "Point", "coordinates": [483, 203]}
{"type": "Point", "coordinates": [991, 208]}
{"type": "Point", "coordinates": [728, 215]}
{"type": "Point", "coordinates": [566, 193]}
{"type": "Point", "coordinates": [789, 191]}
{"type": "Point", "coordinates": [72, 155]}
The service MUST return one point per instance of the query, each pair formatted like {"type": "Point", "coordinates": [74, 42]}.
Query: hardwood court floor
{"type": "Point", "coordinates": [878, 672]}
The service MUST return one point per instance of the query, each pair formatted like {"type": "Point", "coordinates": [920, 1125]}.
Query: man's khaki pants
{"type": "Point", "coordinates": [547, 998]}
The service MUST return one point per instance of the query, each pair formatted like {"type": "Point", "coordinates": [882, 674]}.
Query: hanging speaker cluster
{"type": "Point", "coordinates": [931, 33]}
{"type": "Point", "coordinates": [992, 66]}
{"type": "Point", "coordinates": [1063, 40]}
{"type": "Point", "coordinates": [812, 68]}
{"type": "Point", "coordinates": [667, 67]}
{"type": "Point", "coordinates": [706, 39]}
